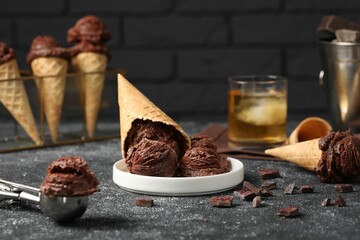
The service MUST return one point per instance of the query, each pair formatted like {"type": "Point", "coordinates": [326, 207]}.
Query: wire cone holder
{"type": "Point", "coordinates": [66, 123]}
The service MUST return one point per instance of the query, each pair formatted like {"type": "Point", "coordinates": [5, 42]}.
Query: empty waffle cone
{"type": "Point", "coordinates": [310, 128]}
{"type": "Point", "coordinates": [13, 96]}
{"type": "Point", "coordinates": [51, 88]}
{"type": "Point", "coordinates": [134, 105]}
{"type": "Point", "coordinates": [304, 154]}
{"type": "Point", "coordinates": [91, 84]}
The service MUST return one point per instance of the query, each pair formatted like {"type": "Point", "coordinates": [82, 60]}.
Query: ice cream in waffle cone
{"type": "Point", "coordinates": [49, 62]}
{"type": "Point", "coordinates": [334, 157]}
{"type": "Point", "coordinates": [90, 57]}
{"type": "Point", "coordinates": [144, 125]}
{"type": "Point", "coordinates": [13, 94]}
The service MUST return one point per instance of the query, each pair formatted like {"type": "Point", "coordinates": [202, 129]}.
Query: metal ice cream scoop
{"type": "Point", "coordinates": [59, 209]}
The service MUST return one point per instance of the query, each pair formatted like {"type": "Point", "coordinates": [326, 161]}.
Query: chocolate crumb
{"type": "Point", "coordinates": [343, 188]}
{"type": "Point", "coordinates": [268, 173]}
{"type": "Point", "coordinates": [251, 187]}
{"type": "Point", "coordinates": [256, 202]}
{"type": "Point", "coordinates": [244, 194]}
{"type": "Point", "coordinates": [307, 189]}
{"type": "Point", "coordinates": [339, 202]}
{"type": "Point", "coordinates": [289, 212]}
{"type": "Point", "coordinates": [289, 189]}
{"type": "Point", "coordinates": [268, 185]}
{"type": "Point", "coordinates": [221, 201]}
{"type": "Point", "coordinates": [144, 202]}
{"type": "Point", "coordinates": [326, 202]}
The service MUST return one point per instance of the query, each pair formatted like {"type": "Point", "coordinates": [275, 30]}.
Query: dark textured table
{"type": "Point", "coordinates": [112, 214]}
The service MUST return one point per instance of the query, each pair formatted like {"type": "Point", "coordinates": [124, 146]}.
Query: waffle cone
{"type": "Point", "coordinates": [51, 86]}
{"type": "Point", "coordinates": [13, 96]}
{"type": "Point", "coordinates": [310, 128]}
{"type": "Point", "coordinates": [304, 154]}
{"type": "Point", "coordinates": [134, 105]}
{"type": "Point", "coordinates": [90, 85]}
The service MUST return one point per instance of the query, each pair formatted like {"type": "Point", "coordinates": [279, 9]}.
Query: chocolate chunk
{"type": "Point", "coordinates": [346, 35]}
{"type": "Point", "coordinates": [326, 202]}
{"type": "Point", "coordinates": [221, 201]}
{"type": "Point", "coordinates": [268, 185]}
{"type": "Point", "coordinates": [333, 23]}
{"type": "Point", "coordinates": [289, 212]}
{"type": "Point", "coordinates": [339, 202]}
{"type": "Point", "coordinates": [343, 188]}
{"type": "Point", "coordinates": [268, 173]}
{"type": "Point", "coordinates": [307, 189]}
{"type": "Point", "coordinates": [251, 187]}
{"type": "Point", "coordinates": [256, 202]}
{"type": "Point", "coordinates": [289, 189]}
{"type": "Point", "coordinates": [144, 202]}
{"type": "Point", "coordinates": [244, 194]}
{"type": "Point", "coordinates": [267, 193]}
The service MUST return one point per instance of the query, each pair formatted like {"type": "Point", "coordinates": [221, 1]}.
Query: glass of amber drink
{"type": "Point", "coordinates": [257, 111]}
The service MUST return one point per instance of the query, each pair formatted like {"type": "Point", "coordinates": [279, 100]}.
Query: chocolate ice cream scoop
{"type": "Point", "coordinates": [89, 29]}
{"type": "Point", "coordinates": [46, 46]}
{"type": "Point", "coordinates": [202, 141]}
{"type": "Point", "coordinates": [202, 159]}
{"type": "Point", "coordinates": [152, 158]}
{"type": "Point", "coordinates": [6, 53]}
{"type": "Point", "coordinates": [340, 160]}
{"type": "Point", "coordinates": [69, 176]}
{"type": "Point", "coordinates": [89, 47]}
{"type": "Point", "coordinates": [154, 131]}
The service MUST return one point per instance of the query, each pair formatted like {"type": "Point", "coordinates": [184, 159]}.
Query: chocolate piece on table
{"type": "Point", "coordinates": [221, 201]}
{"type": "Point", "coordinates": [326, 202]}
{"type": "Point", "coordinates": [343, 188]}
{"type": "Point", "coordinates": [339, 202]}
{"type": "Point", "coordinates": [346, 35]}
{"type": "Point", "coordinates": [256, 202]}
{"type": "Point", "coordinates": [251, 187]}
{"type": "Point", "coordinates": [289, 212]}
{"type": "Point", "coordinates": [268, 185]}
{"type": "Point", "coordinates": [289, 189]}
{"type": "Point", "coordinates": [332, 23]}
{"type": "Point", "coordinates": [144, 202]}
{"type": "Point", "coordinates": [268, 173]}
{"type": "Point", "coordinates": [267, 193]}
{"type": "Point", "coordinates": [306, 189]}
{"type": "Point", "coordinates": [244, 194]}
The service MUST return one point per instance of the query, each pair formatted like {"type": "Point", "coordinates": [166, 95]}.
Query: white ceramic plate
{"type": "Point", "coordinates": [178, 186]}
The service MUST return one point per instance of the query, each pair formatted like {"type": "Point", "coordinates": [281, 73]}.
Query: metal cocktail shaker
{"type": "Point", "coordinates": [340, 78]}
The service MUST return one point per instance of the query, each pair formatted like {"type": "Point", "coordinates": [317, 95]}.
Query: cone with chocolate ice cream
{"type": "Point", "coordinates": [13, 94]}
{"type": "Point", "coordinates": [90, 58]}
{"type": "Point", "coordinates": [310, 128]}
{"type": "Point", "coordinates": [133, 106]}
{"type": "Point", "coordinates": [50, 62]}
{"type": "Point", "coordinates": [334, 157]}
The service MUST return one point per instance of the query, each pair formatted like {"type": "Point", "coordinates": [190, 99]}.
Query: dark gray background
{"type": "Point", "coordinates": [180, 52]}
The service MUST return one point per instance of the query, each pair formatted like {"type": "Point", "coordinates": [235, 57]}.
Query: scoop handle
{"type": "Point", "coordinates": [22, 196]}
{"type": "Point", "coordinates": [5, 195]}
{"type": "Point", "coordinates": [20, 186]}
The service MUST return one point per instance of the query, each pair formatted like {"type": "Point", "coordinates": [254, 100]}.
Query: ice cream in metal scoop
{"type": "Point", "coordinates": [59, 209]}
{"type": "Point", "coordinates": [63, 195]}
